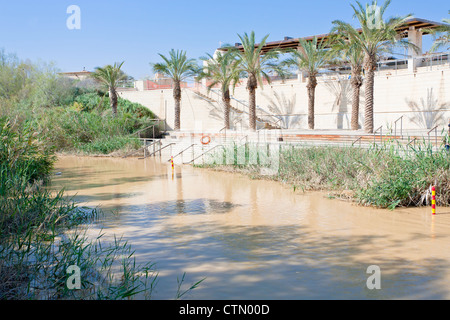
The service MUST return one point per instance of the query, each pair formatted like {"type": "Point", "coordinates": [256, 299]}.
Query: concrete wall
{"type": "Point", "coordinates": [196, 114]}
{"type": "Point", "coordinates": [394, 90]}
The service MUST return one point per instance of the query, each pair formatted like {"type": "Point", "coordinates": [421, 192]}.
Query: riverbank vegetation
{"type": "Point", "coordinates": [386, 176]}
{"type": "Point", "coordinates": [75, 115]}
{"type": "Point", "coordinates": [41, 114]}
{"type": "Point", "coordinates": [40, 238]}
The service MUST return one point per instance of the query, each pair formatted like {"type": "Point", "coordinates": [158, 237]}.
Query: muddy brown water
{"type": "Point", "coordinates": [255, 239]}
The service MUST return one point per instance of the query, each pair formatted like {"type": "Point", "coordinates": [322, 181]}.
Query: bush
{"type": "Point", "coordinates": [385, 177]}
{"type": "Point", "coordinates": [34, 249]}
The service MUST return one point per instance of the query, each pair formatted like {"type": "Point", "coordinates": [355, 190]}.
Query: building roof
{"type": "Point", "coordinates": [294, 43]}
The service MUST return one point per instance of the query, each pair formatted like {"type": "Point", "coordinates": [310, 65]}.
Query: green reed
{"type": "Point", "coordinates": [386, 175]}
{"type": "Point", "coordinates": [40, 235]}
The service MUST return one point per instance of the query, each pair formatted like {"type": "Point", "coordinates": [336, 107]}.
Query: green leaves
{"type": "Point", "coordinates": [441, 36]}
{"type": "Point", "coordinates": [310, 57]}
{"type": "Point", "coordinates": [110, 75]}
{"type": "Point", "coordinates": [253, 62]}
{"type": "Point", "coordinates": [221, 69]}
{"type": "Point", "coordinates": [373, 36]}
{"type": "Point", "coordinates": [176, 66]}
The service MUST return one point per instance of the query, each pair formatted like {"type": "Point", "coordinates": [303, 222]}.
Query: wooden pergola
{"type": "Point", "coordinates": [294, 43]}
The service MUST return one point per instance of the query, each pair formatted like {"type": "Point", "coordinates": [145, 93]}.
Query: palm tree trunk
{"type": "Point", "coordinates": [251, 87]}
{"type": "Point", "coordinates": [312, 83]}
{"type": "Point", "coordinates": [370, 67]}
{"type": "Point", "coordinates": [356, 84]}
{"type": "Point", "coordinates": [177, 98]}
{"type": "Point", "coordinates": [227, 107]}
{"type": "Point", "coordinates": [113, 100]}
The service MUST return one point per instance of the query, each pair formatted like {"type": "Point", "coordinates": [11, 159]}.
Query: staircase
{"type": "Point", "coordinates": [187, 147]}
{"type": "Point", "coordinates": [265, 123]}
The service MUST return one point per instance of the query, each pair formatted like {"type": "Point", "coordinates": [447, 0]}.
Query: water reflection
{"type": "Point", "coordinates": [258, 239]}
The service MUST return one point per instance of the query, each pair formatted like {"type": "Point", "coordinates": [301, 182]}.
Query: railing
{"type": "Point", "coordinates": [433, 60]}
{"type": "Point", "coordinates": [147, 147]}
{"type": "Point", "coordinates": [246, 139]}
{"type": "Point", "coordinates": [180, 153]}
{"type": "Point", "coordinates": [435, 133]}
{"type": "Point", "coordinates": [144, 148]}
{"type": "Point", "coordinates": [392, 65]}
{"type": "Point", "coordinates": [224, 129]}
{"type": "Point", "coordinates": [359, 139]}
{"type": "Point", "coordinates": [280, 138]}
{"type": "Point", "coordinates": [152, 126]}
{"type": "Point", "coordinates": [219, 145]}
{"type": "Point", "coordinates": [412, 141]}
{"type": "Point", "coordinates": [401, 127]}
{"type": "Point", "coordinates": [134, 152]}
{"type": "Point", "coordinates": [375, 134]}
{"type": "Point", "coordinates": [159, 150]}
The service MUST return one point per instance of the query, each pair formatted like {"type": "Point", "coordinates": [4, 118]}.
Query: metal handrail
{"type": "Point", "coordinates": [143, 148]}
{"type": "Point", "coordinates": [194, 144]}
{"type": "Point", "coordinates": [134, 152]}
{"type": "Point", "coordinates": [152, 126]}
{"type": "Point", "coordinates": [150, 145]}
{"type": "Point", "coordinates": [413, 140]}
{"type": "Point", "coordinates": [359, 139]}
{"type": "Point", "coordinates": [138, 132]}
{"type": "Point", "coordinates": [246, 137]}
{"type": "Point", "coordinates": [281, 128]}
{"type": "Point", "coordinates": [381, 134]}
{"type": "Point", "coordinates": [219, 145]}
{"type": "Point", "coordinates": [428, 133]}
{"type": "Point", "coordinates": [401, 126]}
{"type": "Point", "coordinates": [157, 151]}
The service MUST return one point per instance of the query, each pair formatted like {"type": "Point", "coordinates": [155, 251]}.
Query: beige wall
{"type": "Point", "coordinates": [196, 114]}
{"type": "Point", "coordinates": [333, 101]}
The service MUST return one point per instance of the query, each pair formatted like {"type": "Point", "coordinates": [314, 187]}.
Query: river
{"type": "Point", "coordinates": [254, 239]}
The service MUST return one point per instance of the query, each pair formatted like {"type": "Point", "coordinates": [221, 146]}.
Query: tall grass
{"type": "Point", "coordinates": [384, 176]}
{"type": "Point", "coordinates": [40, 238]}
{"type": "Point", "coordinates": [70, 130]}
{"type": "Point", "coordinates": [75, 115]}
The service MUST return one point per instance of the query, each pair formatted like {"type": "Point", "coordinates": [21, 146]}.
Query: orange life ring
{"type": "Point", "coordinates": [208, 138]}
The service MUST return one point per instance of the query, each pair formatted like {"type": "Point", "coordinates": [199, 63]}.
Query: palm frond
{"type": "Point", "coordinates": [176, 66]}
{"type": "Point", "coordinates": [251, 60]}
{"type": "Point", "coordinates": [109, 75]}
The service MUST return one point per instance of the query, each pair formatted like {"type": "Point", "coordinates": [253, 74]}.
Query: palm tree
{"type": "Point", "coordinates": [373, 38]}
{"type": "Point", "coordinates": [350, 52]}
{"type": "Point", "coordinates": [441, 36]}
{"type": "Point", "coordinates": [256, 66]}
{"type": "Point", "coordinates": [222, 70]}
{"type": "Point", "coordinates": [178, 68]}
{"type": "Point", "coordinates": [109, 76]}
{"type": "Point", "coordinates": [309, 58]}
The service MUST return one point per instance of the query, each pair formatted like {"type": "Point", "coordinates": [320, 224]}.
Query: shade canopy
{"type": "Point", "coordinates": [294, 43]}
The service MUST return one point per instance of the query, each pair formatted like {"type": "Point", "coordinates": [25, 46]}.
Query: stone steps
{"type": "Point", "coordinates": [186, 146]}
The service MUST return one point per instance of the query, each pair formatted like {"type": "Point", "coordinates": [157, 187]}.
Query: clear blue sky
{"type": "Point", "coordinates": [137, 30]}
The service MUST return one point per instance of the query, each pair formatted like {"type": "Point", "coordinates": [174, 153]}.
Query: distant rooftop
{"type": "Point", "coordinates": [76, 74]}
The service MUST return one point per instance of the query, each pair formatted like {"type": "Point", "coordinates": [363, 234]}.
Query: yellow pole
{"type": "Point", "coordinates": [433, 200]}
